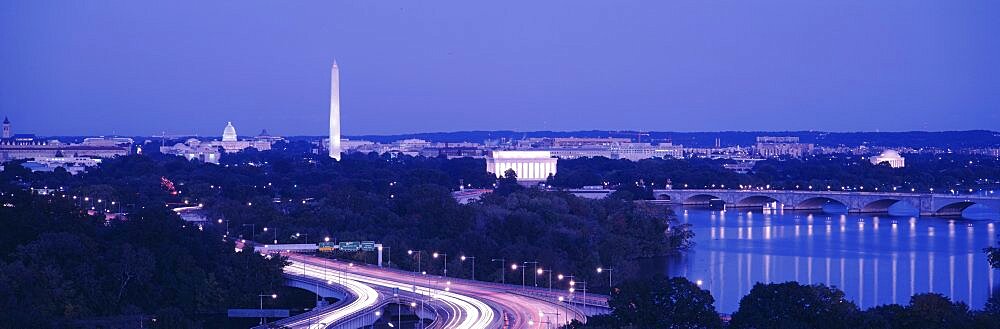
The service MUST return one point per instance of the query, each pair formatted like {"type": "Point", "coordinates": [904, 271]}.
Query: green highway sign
{"type": "Point", "coordinates": [368, 245]}
{"type": "Point", "coordinates": [350, 246]}
{"type": "Point", "coordinates": [327, 246]}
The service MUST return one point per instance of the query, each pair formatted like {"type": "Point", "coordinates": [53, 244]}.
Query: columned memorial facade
{"type": "Point", "coordinates": [528, 165]}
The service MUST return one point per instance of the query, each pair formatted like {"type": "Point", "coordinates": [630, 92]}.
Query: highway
{"type": "Point", "coordinates": [461, 311]}
{"type": "Point", "coordinates": [364, 296]}
{"type": "Point", "coordinates": [469, 304]}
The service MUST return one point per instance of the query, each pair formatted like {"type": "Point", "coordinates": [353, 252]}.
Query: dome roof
{"type": "Point", "coordinates": [229, 134]}
{"type": "Point", "coordinates": [890, 154]}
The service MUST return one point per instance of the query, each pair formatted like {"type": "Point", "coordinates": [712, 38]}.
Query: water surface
{"type": "Point", "coordinates": [874, 259]}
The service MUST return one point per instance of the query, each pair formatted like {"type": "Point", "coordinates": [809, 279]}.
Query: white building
{"type": "Point", "coordinates": [890, 156]}
{"type": "Point", "coordinates": [194, 149]}
{"type": "Point", "coordinates": [640, 151]}
{"type": "Point", "coordinates": [770, 147]}
{"type": "Point", "coordinates": [528, 165]}
{"type": "Point", "coordinates": [73, 165]}
{"type": "Point", "coordinates": [231, 143]}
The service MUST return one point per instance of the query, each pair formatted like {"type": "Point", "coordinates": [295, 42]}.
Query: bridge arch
{"type": "Point", "coordinates": [817, 203]}
{"type": "Point", "coordinates": [700, 199]}
{"type": "Point", "coordinates": [954, 208]}
{"type": "Point", "coordinates": [756, 201]}
{"type": "Point", "coordinates": [882, 205]}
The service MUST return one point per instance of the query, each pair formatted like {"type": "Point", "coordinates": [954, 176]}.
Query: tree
{"type": "Point", "coordinates": [792, 305]}
{"type": "Point", "coordinates": [932, 310]}
{"type": "Point", "coordinates": [993, 256]}
{"type": "Point", "coordinates": [663, 303]}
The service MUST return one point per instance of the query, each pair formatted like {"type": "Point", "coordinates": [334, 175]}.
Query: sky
{"type": "Point", "coordinates": [187, 67]}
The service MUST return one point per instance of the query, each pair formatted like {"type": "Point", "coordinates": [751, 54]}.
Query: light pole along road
{"type": "Point", "coordinates": [481, 304]}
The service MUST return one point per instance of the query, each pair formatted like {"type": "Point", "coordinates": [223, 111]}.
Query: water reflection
{"type": "Point", "coordinates": [874, 259]}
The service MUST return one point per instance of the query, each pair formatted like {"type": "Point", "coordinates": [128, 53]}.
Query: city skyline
{"type": "Point", "coordinates": [775, 66]}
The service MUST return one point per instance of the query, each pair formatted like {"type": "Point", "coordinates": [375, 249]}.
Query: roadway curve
{"type": "Point", "coordinates": [461, 311]}
{"type": "Point", "coordinates": [364, 297]}
{"type": "Point", "coordinates": [482, 305]}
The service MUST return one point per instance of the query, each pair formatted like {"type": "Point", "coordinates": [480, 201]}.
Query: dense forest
{"type": "Point", "coordinates": [63, 267]}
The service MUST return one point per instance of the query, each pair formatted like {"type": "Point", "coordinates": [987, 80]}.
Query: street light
{"type": "Point", "coordinates": [571, 281]}
{"type": "Point", "coordinates": [503, 274]}
{"type": "Point", "coordinates": [609, 269]}
{"type": "Point", "coordinates": [410, 252]}
{"type": "Point", "coordinates": [227, 226]}
{"type": "Point", "coordinates": [275, 234]}
{"type": "Point", "coordinates": [542, 271]}
{"type": "Point", "coordinates": [535, 267]}
{"type": "Point", "coordinates": [445, 262]}
{"type": "Point", "coordinates": [273, 296]}
{"type": "Point", "coordinates": [463, 258]}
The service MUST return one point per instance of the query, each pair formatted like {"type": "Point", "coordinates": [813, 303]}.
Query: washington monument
{"type": "Point", "coordinates": [335, 112]}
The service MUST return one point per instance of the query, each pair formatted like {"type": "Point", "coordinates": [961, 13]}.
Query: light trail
{"type": "Point", "coordinates": [366, 296]}
{"type": "Point", "coordinates": [474, 314]}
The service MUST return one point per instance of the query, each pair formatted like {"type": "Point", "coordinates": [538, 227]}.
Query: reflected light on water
{"type": "Point", "coordinates": [872, 266]}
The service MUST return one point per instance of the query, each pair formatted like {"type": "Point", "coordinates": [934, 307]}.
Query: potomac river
{"type": "Point", "coordinates": [873, 259]}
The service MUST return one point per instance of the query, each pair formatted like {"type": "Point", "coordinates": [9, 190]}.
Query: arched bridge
{"type": "Point", "coordinates": [944, 205]}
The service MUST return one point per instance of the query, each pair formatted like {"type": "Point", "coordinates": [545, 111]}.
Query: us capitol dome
{"type": "Point", "coordinates": [229, 134]}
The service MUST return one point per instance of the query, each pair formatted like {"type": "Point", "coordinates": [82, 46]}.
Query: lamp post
{"type": "Point", "coordinates": [463, 258]}
{"type": "Point", "coordinates": [609, 269]}
{"type": "Point", "coordinates": [534, 267]}
{"type": "Point", "coordinates": [410, 252]}
{"type": "Point", "coordinates": [275, 233]}
{"type": "Point", "coordinates": [584, 289]}
{"type": "Point", "coordinates": [273, 296]}
{"type": "Point", "coordinates": [297, 235]}
{"type": "Point", "coordinates": [503, 272]}
{"type": "Point", "coordinates": [514, 267]}
{"type": "Point", "coordinates": [445, 262]}
{"type": "Point", "coordinates": [572, 281]}
{"type": "Point", "coordinates": [557, 314]}
{"type": "Point", "coordinates": [227, 227]}
{"type": "Point", "coordinates": [542, 271]}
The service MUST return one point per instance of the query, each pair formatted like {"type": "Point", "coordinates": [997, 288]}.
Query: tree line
{"type": "Point", "coordinates": [677, 303]}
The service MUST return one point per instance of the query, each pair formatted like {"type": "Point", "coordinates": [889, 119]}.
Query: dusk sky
{"type": "Point", "coordinates": [187, 67]}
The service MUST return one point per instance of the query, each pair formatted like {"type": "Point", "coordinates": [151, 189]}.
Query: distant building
{"type": "Point", "coordinates": [585, 142]}
{"type": "Point", "coordinates": [73, 165]}
{"type": "Point", "coordinates": [231, 143]}
{"type": "Point", "coordinates": [194, 149]}
{"type": "Point", "coordinates": [27, 146]}
{"type": "Point", "coordinates": [6, 128]}
{"type": "Point", "coordinates": [742, 166]}
{"type": "Point", "coordinates": [528, 165]}
{"type": "Point", "coordinates": [467, 196]}
{"type": "Point", "coordinates": [891, 157]}
{"type": "Point", "coordinates": [639, 151]}
{"type": "Point", "coordinates": [770, 147]}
